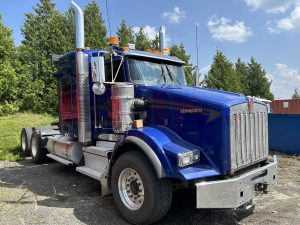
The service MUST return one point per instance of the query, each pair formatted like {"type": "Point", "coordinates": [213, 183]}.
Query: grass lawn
{"type": "Point", "coordinates": [10, 131]}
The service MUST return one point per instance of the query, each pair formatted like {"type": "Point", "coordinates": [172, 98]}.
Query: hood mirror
{"type": "Point", "coordinates": [98, 74]}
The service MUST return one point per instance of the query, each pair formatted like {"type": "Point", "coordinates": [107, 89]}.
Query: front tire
{"type": "Point", "coordinates": [38, 153]}
{"type": "Point", "coordinates": [139, 195]}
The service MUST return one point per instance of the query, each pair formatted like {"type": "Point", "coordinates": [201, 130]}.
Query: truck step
{"type": "Point", "coordinates": [108, 144]}
{"type": "Point", "coordinates": [59, 159]}
{"type": "Point", "coordinates": [89, 172]}
{"type": "Point", "coordinates": [98, 150]}
{"type": "Point", "coordinates": [96, 157]}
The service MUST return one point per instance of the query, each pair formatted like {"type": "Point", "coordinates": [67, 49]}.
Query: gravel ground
{"type": "Point", "coordinates": [56, 194]}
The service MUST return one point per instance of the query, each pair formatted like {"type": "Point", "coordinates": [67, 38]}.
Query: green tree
{"type": "Point", "coordinates": [241, 69]}
{"type": "Point", "coordinates": [259, 85]}
{"type": "Point", "coordinates": [180, 52]}
{"type": "Point", "coordinates": [142, 41]}
{"type": "Point", "coordinates": [155, 43]}
{"type": "Point", "coordinates": [8, 77]}
{"type": "Point", "coordinates": [125, 34]}
{"type": "Point", "coordinates": [6, 42]}
{"type": "Point", "coordinates": [71, 36]}
{"type": "Point", "coordinates": [222, 75]}
{"type": "Point", "coordinates": [95, 30]}
{"type": "Point", "coordinates": [296, 94]}
{"type": "Point", "coordinates": [45, 32]}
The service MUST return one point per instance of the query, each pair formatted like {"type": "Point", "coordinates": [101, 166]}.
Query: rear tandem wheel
{"type": "Point", "coordinates": [38, 153]}
{"type": "Point", "coordinates": [26, 134]}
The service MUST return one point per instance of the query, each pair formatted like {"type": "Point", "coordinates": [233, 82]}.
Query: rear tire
{"type": "Point", "coordinates": [139, 195]}
{"type": "Point", "coordinates": [38, 153]}
{"type": "Point", "coordinates": [26, 134]}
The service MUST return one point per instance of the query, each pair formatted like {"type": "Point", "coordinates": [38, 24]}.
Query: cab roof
{"type": "Point", "coordinates": [138, 53]}
{"type": "Point", "coordinates": [130, 52]}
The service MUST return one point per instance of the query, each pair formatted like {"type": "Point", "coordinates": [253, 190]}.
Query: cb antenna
{"type": "Point", "coordinates": [197, 66]}
{"type": "Point", "coordinates": [108, 18]}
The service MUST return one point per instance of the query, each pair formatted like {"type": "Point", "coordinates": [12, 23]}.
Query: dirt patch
{"type": "Point", "coordinates": [56, 194]}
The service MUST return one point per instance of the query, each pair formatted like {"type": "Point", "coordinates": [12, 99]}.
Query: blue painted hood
{"type": "Point", "coordinates": [198, 115]}
{"type": "Point", "coordinates": [215, 98]}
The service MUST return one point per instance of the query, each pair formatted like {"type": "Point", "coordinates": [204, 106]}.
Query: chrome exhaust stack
{"type": "Point", "coordinates": [162, 38]}
{"type": "Point", "coordinates": [82, 80]}
{"type": "Point", "coordinates": [162, 41]}
{"type": "Point", "coordinates": [79, 23]}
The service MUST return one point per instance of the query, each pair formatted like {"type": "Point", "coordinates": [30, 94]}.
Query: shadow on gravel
{"type": "Point", "coordinates": [56, 185]}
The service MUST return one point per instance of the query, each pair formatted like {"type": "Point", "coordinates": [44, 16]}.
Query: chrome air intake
{"type": "Point", "coordinates": [82, 80]}
{"type": "Point", "coordinates": [122, 96]}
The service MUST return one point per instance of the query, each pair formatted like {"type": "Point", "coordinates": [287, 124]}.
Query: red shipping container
{"type": "Point", "coordinates": [288, 106]}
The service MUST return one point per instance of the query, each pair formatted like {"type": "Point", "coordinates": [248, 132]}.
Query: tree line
{"type": "Point", "coordinates": [28, 76]}
{"type": "Point", "coordinates": [247, 78]}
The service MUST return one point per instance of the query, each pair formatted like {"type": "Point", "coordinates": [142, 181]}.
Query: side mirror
{"type": "Point", "coordinates": [98, 69]}
{"type": "Point", "coordinates": [98, 74]}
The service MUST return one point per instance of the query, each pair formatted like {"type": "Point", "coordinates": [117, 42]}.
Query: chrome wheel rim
{"type": "Point", "coordinates": [131, 189]}
{"type": "Point", "coordinates": [23, 142]}
{"type": "Point", "coordinates": [33, 147]}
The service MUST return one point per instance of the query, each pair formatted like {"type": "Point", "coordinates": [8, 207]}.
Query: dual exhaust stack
{"type": "Point", "coordinates": [82, 75]}
{"type": "Point", "coordinates": [82, 80]}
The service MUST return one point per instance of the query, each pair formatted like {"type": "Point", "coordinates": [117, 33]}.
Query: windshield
{"type": "Point", "coordinates": [151, 72]}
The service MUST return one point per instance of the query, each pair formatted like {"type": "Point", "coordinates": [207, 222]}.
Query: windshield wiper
{"type": "Point", "coordinates": [171, 75]}
{"type": "Point", "coordinates": [162, 75]}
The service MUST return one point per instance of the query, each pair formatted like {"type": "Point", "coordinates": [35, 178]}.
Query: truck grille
{"type": "Point", "coordinates": [248, 135]}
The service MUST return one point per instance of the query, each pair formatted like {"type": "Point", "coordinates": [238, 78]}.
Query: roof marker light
{"type": "Point", "coordinates": [113, 41]}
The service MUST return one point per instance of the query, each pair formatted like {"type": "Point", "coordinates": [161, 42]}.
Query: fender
{"type": "Point", "coordinates": [160, 171]}
{"type": "Point", "coordinates": [150, 140]}
{"type": "Point", "coordinates": [161, 145]}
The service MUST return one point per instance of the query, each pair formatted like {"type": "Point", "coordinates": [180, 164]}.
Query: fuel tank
{"type": "Point", "coordinates": [65, 147]}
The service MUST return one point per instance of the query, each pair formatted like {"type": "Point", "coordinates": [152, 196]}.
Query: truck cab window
{"type": "Point", "coordinates": [116, 64]}
{"type": "Point", "coordinates": [153, 71]}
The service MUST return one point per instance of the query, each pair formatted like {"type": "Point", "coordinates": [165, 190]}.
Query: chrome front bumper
{"type": "Point", "coordinates": [232, 193]}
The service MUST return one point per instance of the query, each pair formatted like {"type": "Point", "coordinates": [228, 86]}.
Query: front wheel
{"type": "Point", "coordinates": [139, 195]}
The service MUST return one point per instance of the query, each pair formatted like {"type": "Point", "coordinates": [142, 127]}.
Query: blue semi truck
{"type": "Point", "coordinates": [128, 119]}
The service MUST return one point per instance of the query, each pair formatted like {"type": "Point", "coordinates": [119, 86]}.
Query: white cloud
{"type": "Point", "coordinates": [222, 29]}
{"type": "Point", "coordinates": [284, 80]}
{"type": "Point", "coordinates": [290, 22]}
{"type": "Point", "coordinates": [271, 6]}
{"type": "Point", "coordinates": [174, 16]}
{"type": "Point", "coordinates": [151, 32]}
{"type": "Point", "coordinates": [286, 24]}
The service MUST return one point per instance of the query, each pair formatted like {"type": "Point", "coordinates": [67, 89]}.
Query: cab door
{"type": "Point", "coordinates": [104, 102]}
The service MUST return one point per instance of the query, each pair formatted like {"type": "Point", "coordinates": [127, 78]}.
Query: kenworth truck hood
{"type": "Point", "coordinates": [210, 96]}
{"type": "Point", "coordinates": [198, 115]}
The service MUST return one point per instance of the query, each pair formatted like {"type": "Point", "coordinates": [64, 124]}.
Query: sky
{"type": "Point", "coordinates": [268, 30]}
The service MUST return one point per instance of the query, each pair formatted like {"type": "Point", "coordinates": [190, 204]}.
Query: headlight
{"type": "Point", "coordinates": [188, 158]}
